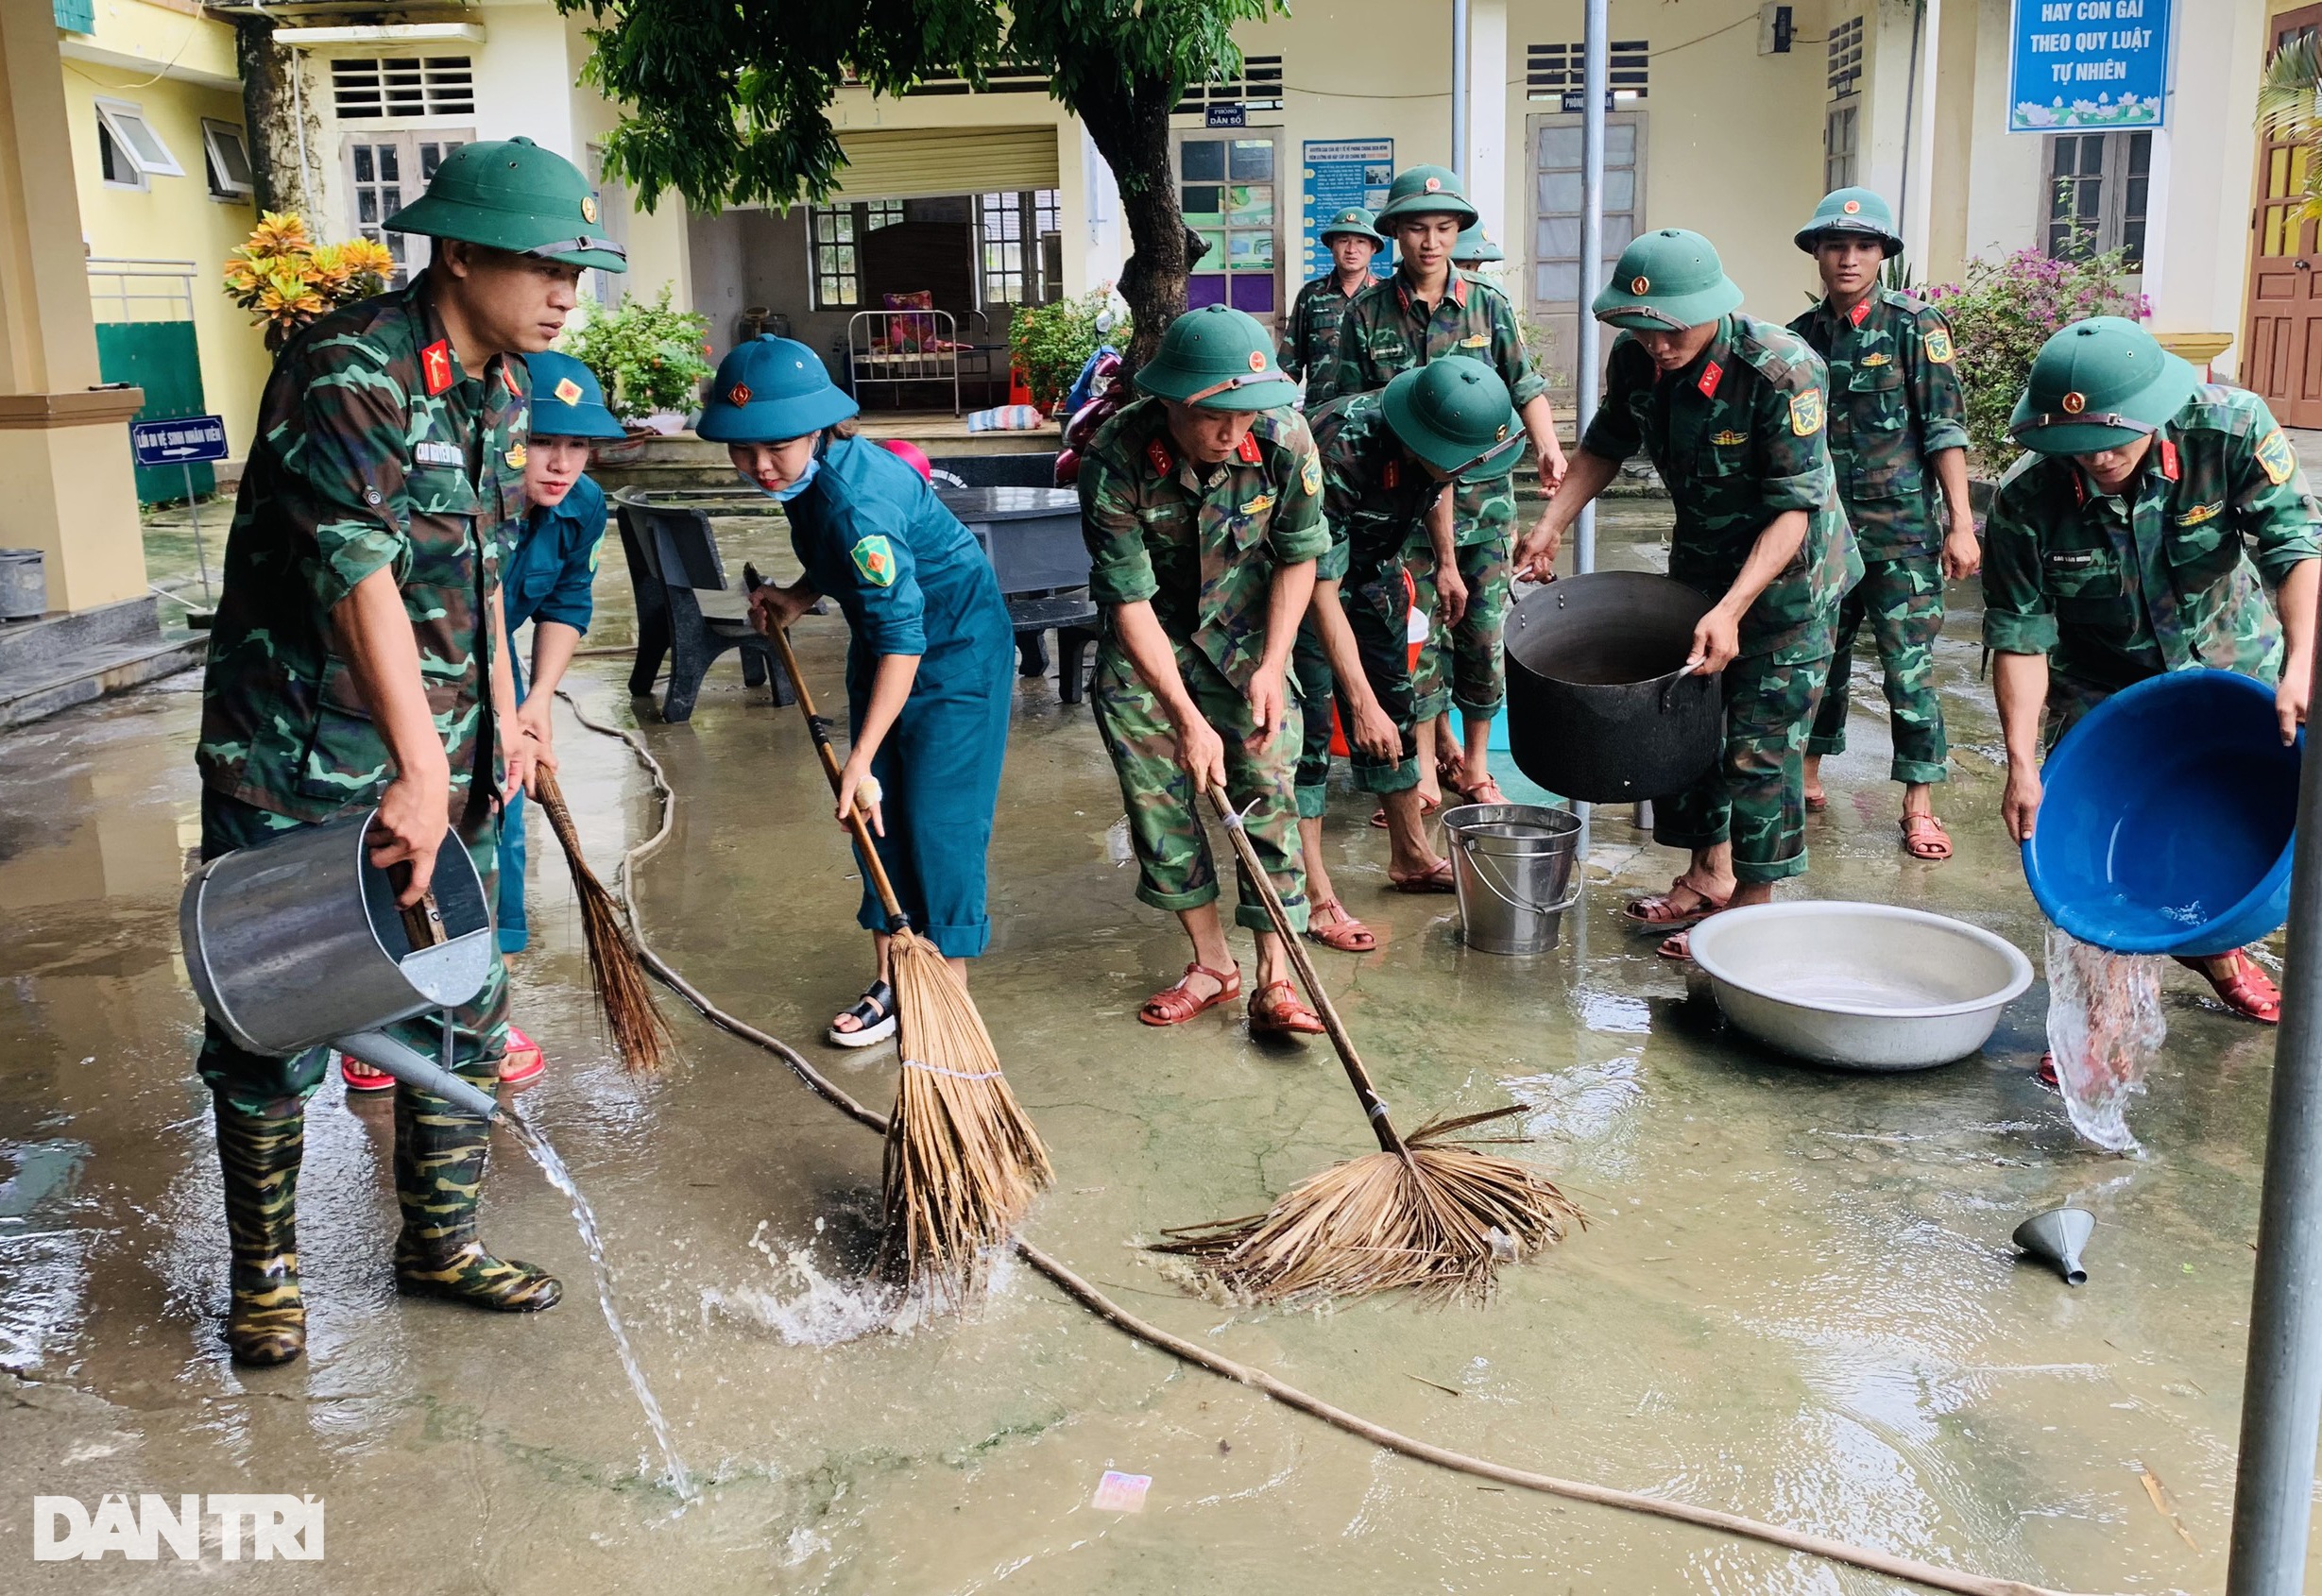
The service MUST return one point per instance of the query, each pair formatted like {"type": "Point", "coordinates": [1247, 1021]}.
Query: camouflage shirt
{"type": "Point", "coordinates": [1310, 338]}
{"type": "Point", "coordinates": [1894, 399]}
{"type": "Point", "coordinates": [1375, 495]}
{"type": "Point", "coordinates": [1202, 542]}
{"type": "Point", "coordinates": [2165, 573]}
{"type": "Point", "coordinates": [1737, 437]}
{"type": "Point", "coordinates": [374, 451]}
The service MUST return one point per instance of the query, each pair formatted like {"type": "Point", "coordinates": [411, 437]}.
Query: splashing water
{"type": "Point", "coordinates": [2104, 1024]}
{"type": "Point", "coordinates": [674, 1475]}
{"type": "Point", "coordinates": [812, 1309]}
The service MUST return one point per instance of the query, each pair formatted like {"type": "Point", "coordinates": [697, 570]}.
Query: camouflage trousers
{"type": "Point", "coordinates": [1755, 796]}
{"type": "Point", "coordinates": [1378, 608]}
{"type": "Point", "coordinates": [1902, 599]}
{"type": "Point", "coordinates": [1176, 867]}
{"type": "Point", "coordinates": [1483, 535]}
{"type": "Point", "coordinates": [2069, 699]}
{"type": "Point", "coordinates": [1314, 684]}
{"type": "Point", "coordinates": [256, 1084]}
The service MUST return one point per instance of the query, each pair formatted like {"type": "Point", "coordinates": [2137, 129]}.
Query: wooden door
{"type": "Point", "coordinates": [2282, 343]}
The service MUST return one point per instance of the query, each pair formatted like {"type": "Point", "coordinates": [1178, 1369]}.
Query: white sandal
{"type": "Point", "coordinates": [875, 1010]}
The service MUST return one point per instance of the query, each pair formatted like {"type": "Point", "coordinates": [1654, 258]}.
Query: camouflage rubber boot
{"type": "Point", "coordinates": [259, 1156]}
{"type": "Point", "coordinates": [439, 1159]}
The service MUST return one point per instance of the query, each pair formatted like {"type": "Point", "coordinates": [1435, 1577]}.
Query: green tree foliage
{"type": "Point", "coordinates": [2001, 315]}
{"type": "Point", "coordinates": [729, 103]}
{"type": "Point", "coordinates": [646, 357]}
{"type": "Point", "coordinates": [1050, 343]}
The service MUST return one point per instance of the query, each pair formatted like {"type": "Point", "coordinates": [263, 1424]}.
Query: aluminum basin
{"type": "Point", "coordinates": [1861, 986]}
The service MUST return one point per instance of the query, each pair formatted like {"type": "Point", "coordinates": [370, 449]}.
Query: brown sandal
{"type": "Point", "coordinates": [2249, 992]}
{"type": "Point", "coordinates": [1344, 934]}
{"type": "Point", "coordinates": [1427, 807]}
{"type": "Point", "coordinates": [1283, 1014]}
{"type": "Point", "coordinates": [1678, 949]}
{"type": "Point", "coordinates": [1474, 792]}
{"type": "Point", "coordinates": [1660, 912]}
{"type": "Point", "coordinates": [1174, 1006]}
{"type": "Point", "coordinates": [1436, 880]}
{"type": "Point", "coordinates": [1923, 838]}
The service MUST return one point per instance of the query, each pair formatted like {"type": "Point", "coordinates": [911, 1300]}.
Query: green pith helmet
{"type": "Point", "coordinates": [1426, 191]}
{"type": "Point", "coordinates": [1860, 211]}
{"type": "Point", "coordinates": [1666, 282]}
{"type": "Point", "coordinates": [1454, 414]}
{"type": "Point", "coordinates": [1352, 222]}
{"type": "Point", "coordinates": [1472, 246]}
{"type": "Point", "coordinates": [1220, 359]}
{"type": "Point", "coordinates": [2098, 384]}
{"type": "Point", "coordinates": [513, 194]}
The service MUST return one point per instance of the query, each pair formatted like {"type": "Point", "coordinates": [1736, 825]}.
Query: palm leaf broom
{"type": "Point", "coordinates": [1431, 1211]}
{"type": "Point", "coordinates": [964, 1161]}
{"type": "Point", "coordinates": [640, 1033]}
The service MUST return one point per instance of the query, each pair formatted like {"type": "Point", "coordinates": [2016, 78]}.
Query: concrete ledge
{"type": "Point", "coordinates": [102, 672]}
{"type": "Point", "coordinates": [87, 407]}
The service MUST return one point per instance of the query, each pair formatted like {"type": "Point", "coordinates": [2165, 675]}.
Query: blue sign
{"type": "Point", "coordinates": [2088, 64]}
{"type": "Point", "coordinates": [182, 440]}
{"type": "Point", "coordinates": [1338, 173]}
{"type": "Point", "coordinates": [1226, 116]}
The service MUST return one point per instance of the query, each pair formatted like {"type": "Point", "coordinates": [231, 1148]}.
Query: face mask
{"type": "Point", "coordinates": [784, 494]}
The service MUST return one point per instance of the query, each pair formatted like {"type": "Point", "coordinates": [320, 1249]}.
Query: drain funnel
{"type": "Point", "coordinates": [2055, 1239]}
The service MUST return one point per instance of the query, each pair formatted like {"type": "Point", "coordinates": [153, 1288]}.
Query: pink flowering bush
{"type": "Point", "coordinates": [2001, 315]}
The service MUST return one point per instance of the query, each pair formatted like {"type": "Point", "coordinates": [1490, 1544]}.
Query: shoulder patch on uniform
{"type": "Point", "coordinates": [1310, 474]}
{"type": "Point", "coordinates": [2276, 456]}
{"type": "Point", "coordinates": [2201, 513]}
{"type": "Point", "coordinates": [1247, 449]}
{"type": "Point", "coordinates": [873, 557]}
{"type": "Point", "coordinates": [1476, 341]}
{"type": "Point", "coordinates": [1937, 345]}
{"type": "Point", "coordinates": [1807, 413]}
{"type": "Point", "coordinates": [435, 367]}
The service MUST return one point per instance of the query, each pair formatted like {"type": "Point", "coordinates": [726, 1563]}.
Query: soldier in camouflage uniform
{"type": "Point", "coordinates": [1387, 459]}
{"type": "Point", "coordinates": [1310, 337]}
{"type": "Point", "coordinates": [1202, 506]}
{"type": "Point", "coordinates": [2139, 536]}
{"type": "Point", "coordinates": [359, 659]}
{"type": "Point", "coordinates": [1731, 409]}
{"type": "Point", "coordinates": [1898, 428]}
{"type": "Point", "coordinates": [1427, 310]}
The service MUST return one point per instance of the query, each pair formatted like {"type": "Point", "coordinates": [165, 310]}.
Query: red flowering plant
{"type": "Point", "coordinates": [2002, 314]}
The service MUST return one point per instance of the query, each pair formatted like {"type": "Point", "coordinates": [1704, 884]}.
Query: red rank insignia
{"type": "Point", "coordinates": [2168, 459]}
{"type": "Point", "coordinates": [1712, 375]}
{"type": "Point", "coordinates": [1157, 452]}
{"type": "Point", "coordinates": [1248, 451]}
{"type": "Point", "coordinates": [507, 380]}
{"type": "Point", "coordinates": [1388, 477]}
{"type": "Point", "coordinates": [1856, 314]}
{"type": "Point", "coordinates": [435, 367]}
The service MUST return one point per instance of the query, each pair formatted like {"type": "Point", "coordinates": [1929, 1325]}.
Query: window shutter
{"type": "Point", "coordinates": [929, 163]}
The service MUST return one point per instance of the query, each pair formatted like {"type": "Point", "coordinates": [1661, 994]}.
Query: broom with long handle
{"type": "Point", "coordinates": [964, 1161]}
{"type": "Point", "coordinates": [624, 997]}
{"type": "Point", "coordinates": [1425, 1211]}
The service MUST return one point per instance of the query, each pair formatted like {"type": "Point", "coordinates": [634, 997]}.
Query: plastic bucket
{"type": "Point", "coordinates": [2168, 818]}
{"type": "Point", "coordinates": [23, 584]}
{"type": "Point", "coordinates": [1513, 864]}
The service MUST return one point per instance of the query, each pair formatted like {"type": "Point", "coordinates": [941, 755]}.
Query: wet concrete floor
{"type": "Point", "coordinates": [1798, 1301]}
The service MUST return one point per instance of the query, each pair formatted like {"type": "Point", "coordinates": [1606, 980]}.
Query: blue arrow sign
{"type": "Point", "coordinates": [182, 440]}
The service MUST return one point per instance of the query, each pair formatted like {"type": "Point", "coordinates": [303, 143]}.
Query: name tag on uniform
{"type": "Point", "coordinates": [440, 454]}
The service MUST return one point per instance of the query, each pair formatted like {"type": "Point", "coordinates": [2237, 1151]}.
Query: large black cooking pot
{"type": "Point", "coordinates": [1599, 708]}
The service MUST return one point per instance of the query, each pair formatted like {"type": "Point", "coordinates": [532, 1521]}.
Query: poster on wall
{"type": "Point", "coordinates": [1338, 173]}
{"type": "Point", "coordinates": [2087, 63]}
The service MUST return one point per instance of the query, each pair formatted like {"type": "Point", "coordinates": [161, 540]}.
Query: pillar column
{"type": "Point", "coordinates": [1487, 123]}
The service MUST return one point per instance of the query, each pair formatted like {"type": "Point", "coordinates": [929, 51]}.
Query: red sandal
{"type": "Point", "coordinates": [1283, 1014]}
{"type": "Point", "coordinates": [1174, 1006]}
{"type": "Point", "coordinates": [2249, 992]}
{"type": "Point", "coordinates": [1345, 934]}
{"type": "Point", "coordinates": [1661, 911]}
{"type": "Point", "coordinates": [1923, 838]}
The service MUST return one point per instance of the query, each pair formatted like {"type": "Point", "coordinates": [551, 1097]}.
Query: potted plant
{"type": "Point", "coordinates": [286, 280]}
{"type": "Point", "coordinates": [650, 358]}
{"type": "Point", "coordinates": [1050, 343]}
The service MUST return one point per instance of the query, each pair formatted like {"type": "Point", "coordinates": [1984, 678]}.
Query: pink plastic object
{"type": "Point", "coordinates": [911, 456]}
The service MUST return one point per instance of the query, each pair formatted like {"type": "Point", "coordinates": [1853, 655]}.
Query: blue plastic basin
{"type": "Point", "coordinates": [2168, 819]}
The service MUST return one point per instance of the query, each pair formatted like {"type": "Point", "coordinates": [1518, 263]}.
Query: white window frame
{"type": "Point", "coordinates": [222, 184]}
{"type": "Point", "coordinates": [116, 117]}
{"type": "Point", "coordinates": [1285, 281]}
{"type": "Point", "coordinates": [1849, 110]}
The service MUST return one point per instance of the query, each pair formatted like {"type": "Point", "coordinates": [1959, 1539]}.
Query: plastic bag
{"type": "Point", "coordinates": [2104, 1023]}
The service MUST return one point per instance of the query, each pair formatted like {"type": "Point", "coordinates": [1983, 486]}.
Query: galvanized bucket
{"type": "Point", "coordinates": [1513, 864]}
{"type": "Point", "coordinates": [298, 942]}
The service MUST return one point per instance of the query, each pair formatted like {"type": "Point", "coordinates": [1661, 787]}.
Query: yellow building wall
{"type": "Point", "coordinates": [174, 218]}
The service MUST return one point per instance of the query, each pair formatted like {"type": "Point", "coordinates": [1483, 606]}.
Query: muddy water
{"type": "Point", "coordinates": [1796, 1299]}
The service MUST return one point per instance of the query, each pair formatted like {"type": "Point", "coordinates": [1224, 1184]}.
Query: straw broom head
{"type": "Point", "coordinates": [624, 997]}
{"type": "Point", "coordinates": [964, 1161]}
{"type": "Point", "coordinates": [1439, 1218]}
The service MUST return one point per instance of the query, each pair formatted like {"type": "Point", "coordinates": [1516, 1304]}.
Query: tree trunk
{"type": "Point", "coordinates": [270, 111]}
{"type": "Point", "coordinates": [1131, 129]}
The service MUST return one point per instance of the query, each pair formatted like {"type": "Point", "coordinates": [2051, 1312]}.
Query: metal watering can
{"type": "Point", "coordinates": [298, 942]}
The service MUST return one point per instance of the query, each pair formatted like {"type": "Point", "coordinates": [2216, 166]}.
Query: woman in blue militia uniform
{"type": "Point", "coordinates": [929, 676]}
{"type": "Point", "coordinates": [548, 580]}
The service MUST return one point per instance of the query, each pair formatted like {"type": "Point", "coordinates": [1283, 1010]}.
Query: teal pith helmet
{"type": "Point", "coordinates": [1666, 282]}
{"type": "Point", "coordinates": [1352, 222]}
{"type": "Point", "coordinates": [2098, 384]}
{"type": "Point", "coordinates": [566, 400]}
{"type": "Point", "coordinates": [510, 193]}
{"type": "Point", "coordinates": [1426, 191]}
{"type": "Point", "coordinates": [770, 390]}
{"type": "Point", "coordinates": [1855, 210]}
{"type": "Point", "coordinates": [1454, 414]}
{"type": "Point", "coordinates": [1219, 359]}
{"type": "Point", "coordinates": [1473, 245]}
